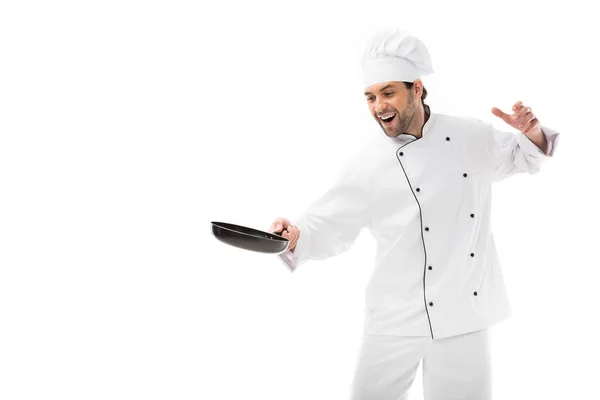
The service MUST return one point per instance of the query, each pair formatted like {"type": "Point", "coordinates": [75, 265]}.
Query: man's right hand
{"type": "Point", "coordinates": [284, 227]}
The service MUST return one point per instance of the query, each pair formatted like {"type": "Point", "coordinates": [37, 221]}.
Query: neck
{"type": "Point", "coordinates": [421, 116]}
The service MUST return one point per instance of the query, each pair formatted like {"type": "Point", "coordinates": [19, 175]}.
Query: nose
{"type": "Point", "coordinates": [380, 106]}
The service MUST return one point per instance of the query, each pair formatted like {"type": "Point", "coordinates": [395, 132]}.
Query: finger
{"type": "Point", "coordinates": [529, 117]}
{"type": "Point", "coordinates": [530, 125]}
{"type": "Point", "coordinates": [500, 114]}
{"type": "Point", "coordinates": [517, 105]}
{"type": "Point", "coordinates": [523, 111]}
{"type": "Point", "coordinates": [294, 234]}
{"type": "Point", "coordinates": [293, 240]}
{"type": "Point", "coordinates": [276, 229]}
{"type": "Point", "coordinates": [279, 224]}
{"type": "Point", "coordinates": [525, 119]}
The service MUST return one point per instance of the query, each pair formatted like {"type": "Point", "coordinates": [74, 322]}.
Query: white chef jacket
{"type": "Point", "coordinates": [427, 202]}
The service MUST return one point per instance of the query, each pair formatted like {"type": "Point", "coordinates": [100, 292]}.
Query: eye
{"type": "Point", "coordinates": [370, 98]}
{"type": "Point", "coordinates": [388, 94]}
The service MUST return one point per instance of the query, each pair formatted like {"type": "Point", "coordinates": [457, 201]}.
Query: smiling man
{"type": "Point", "coordinates": [424, 191]}
{"type": "Point", "coordinates": [395, 96]}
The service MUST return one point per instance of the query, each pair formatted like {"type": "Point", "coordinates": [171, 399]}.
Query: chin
{"type": "Point", "coordinates": [389, 133]}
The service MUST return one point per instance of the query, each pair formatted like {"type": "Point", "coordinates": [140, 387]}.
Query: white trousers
{"type": "Point", "coordinates": [454, 368]}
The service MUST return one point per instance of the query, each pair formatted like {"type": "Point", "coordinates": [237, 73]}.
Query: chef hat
{"type": "Point", "coordinates": [394, 55]}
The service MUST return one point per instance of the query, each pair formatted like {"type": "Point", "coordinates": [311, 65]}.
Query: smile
{"type": "Point", "coordinates": [387, 118]}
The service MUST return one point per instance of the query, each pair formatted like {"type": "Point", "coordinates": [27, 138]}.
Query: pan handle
{"type": "Point", "coordinates": [280, 234]}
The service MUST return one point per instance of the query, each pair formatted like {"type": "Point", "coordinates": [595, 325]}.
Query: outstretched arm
{"type": "Point", "coordinates": [507, 153]}
{"type": "Point", "coordinates": [525, 121]}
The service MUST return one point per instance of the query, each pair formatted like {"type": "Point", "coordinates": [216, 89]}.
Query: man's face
{"type": "Point", "coordinates": [392, 105]}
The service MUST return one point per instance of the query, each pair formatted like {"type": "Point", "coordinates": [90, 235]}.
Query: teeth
{"type": "Point", "coordinates": [387, 117]}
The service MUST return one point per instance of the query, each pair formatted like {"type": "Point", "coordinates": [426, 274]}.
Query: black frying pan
{"type": "Point", "coordinates": [249, 239]}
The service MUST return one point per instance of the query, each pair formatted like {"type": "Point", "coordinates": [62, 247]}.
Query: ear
{"type": "Point", "coordinates": [418, 88]}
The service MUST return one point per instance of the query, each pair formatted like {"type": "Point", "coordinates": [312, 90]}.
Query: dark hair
{"type": "Point", "coordinates": [409, 86]}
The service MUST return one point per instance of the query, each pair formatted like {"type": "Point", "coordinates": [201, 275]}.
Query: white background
{"type": "Point", "coordinates": [127, 127]}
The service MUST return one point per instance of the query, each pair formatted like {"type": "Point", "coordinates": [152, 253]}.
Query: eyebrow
{"type": "Point", "coordinates": [381, 90]}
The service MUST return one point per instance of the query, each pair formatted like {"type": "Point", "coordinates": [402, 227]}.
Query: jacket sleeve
{"type": "Point", "coordinates": [332, 223]}
{"type": "Point", "coordinates": [511, 153]}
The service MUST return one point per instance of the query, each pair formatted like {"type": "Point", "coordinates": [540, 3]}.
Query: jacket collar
{"type": "Point", "coordinates": [426, 126]}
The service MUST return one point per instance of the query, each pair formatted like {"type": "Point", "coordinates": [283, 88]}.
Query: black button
{"type": "Point", "coordinates": [430, 267]}
{"type": "Point", "coordinates": [448, 139]}
{"type": "Point", "coordinates": [472, 215]}
{"type": "Point", "coordinates": [401, 153]}
{"type": "Point", "coordinates": [475, 293]}
{"type": "Point", "coordinates": [465, 175]}
{"type": "Point", "coordinates": [472, 254]}
{"type": "Point", "coordinates": [418, 190]}
{"type": "Point", "coordinates": [427, 229]}
{"type": "Point", "coordinates": [430, 304]}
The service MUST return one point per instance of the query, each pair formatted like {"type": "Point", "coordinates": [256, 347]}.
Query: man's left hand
{"type": "Point", "coordinates": [524, 120]}
{"type": "Point", "coordinates": [521, 119]}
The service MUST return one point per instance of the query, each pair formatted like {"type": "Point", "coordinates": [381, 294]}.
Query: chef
{"type": "Point", "coordinates": [423, 189]}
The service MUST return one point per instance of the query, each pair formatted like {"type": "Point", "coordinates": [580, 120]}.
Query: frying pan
{"type": "Point", "coordinates": [249, 239]}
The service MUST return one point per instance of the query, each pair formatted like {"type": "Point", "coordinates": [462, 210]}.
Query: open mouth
{"type": "Point", "coordinates": [387, 119]}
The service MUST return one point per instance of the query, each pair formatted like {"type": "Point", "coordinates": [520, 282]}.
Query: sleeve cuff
{"type": "Point", "coordinates": [301, 252]}
{"type": "Point", "coordinates": [552, 138]}
{"type": "Point", "coordinates": [285, 257]}
{"type": "Point", "coordinates": [531, 148]}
